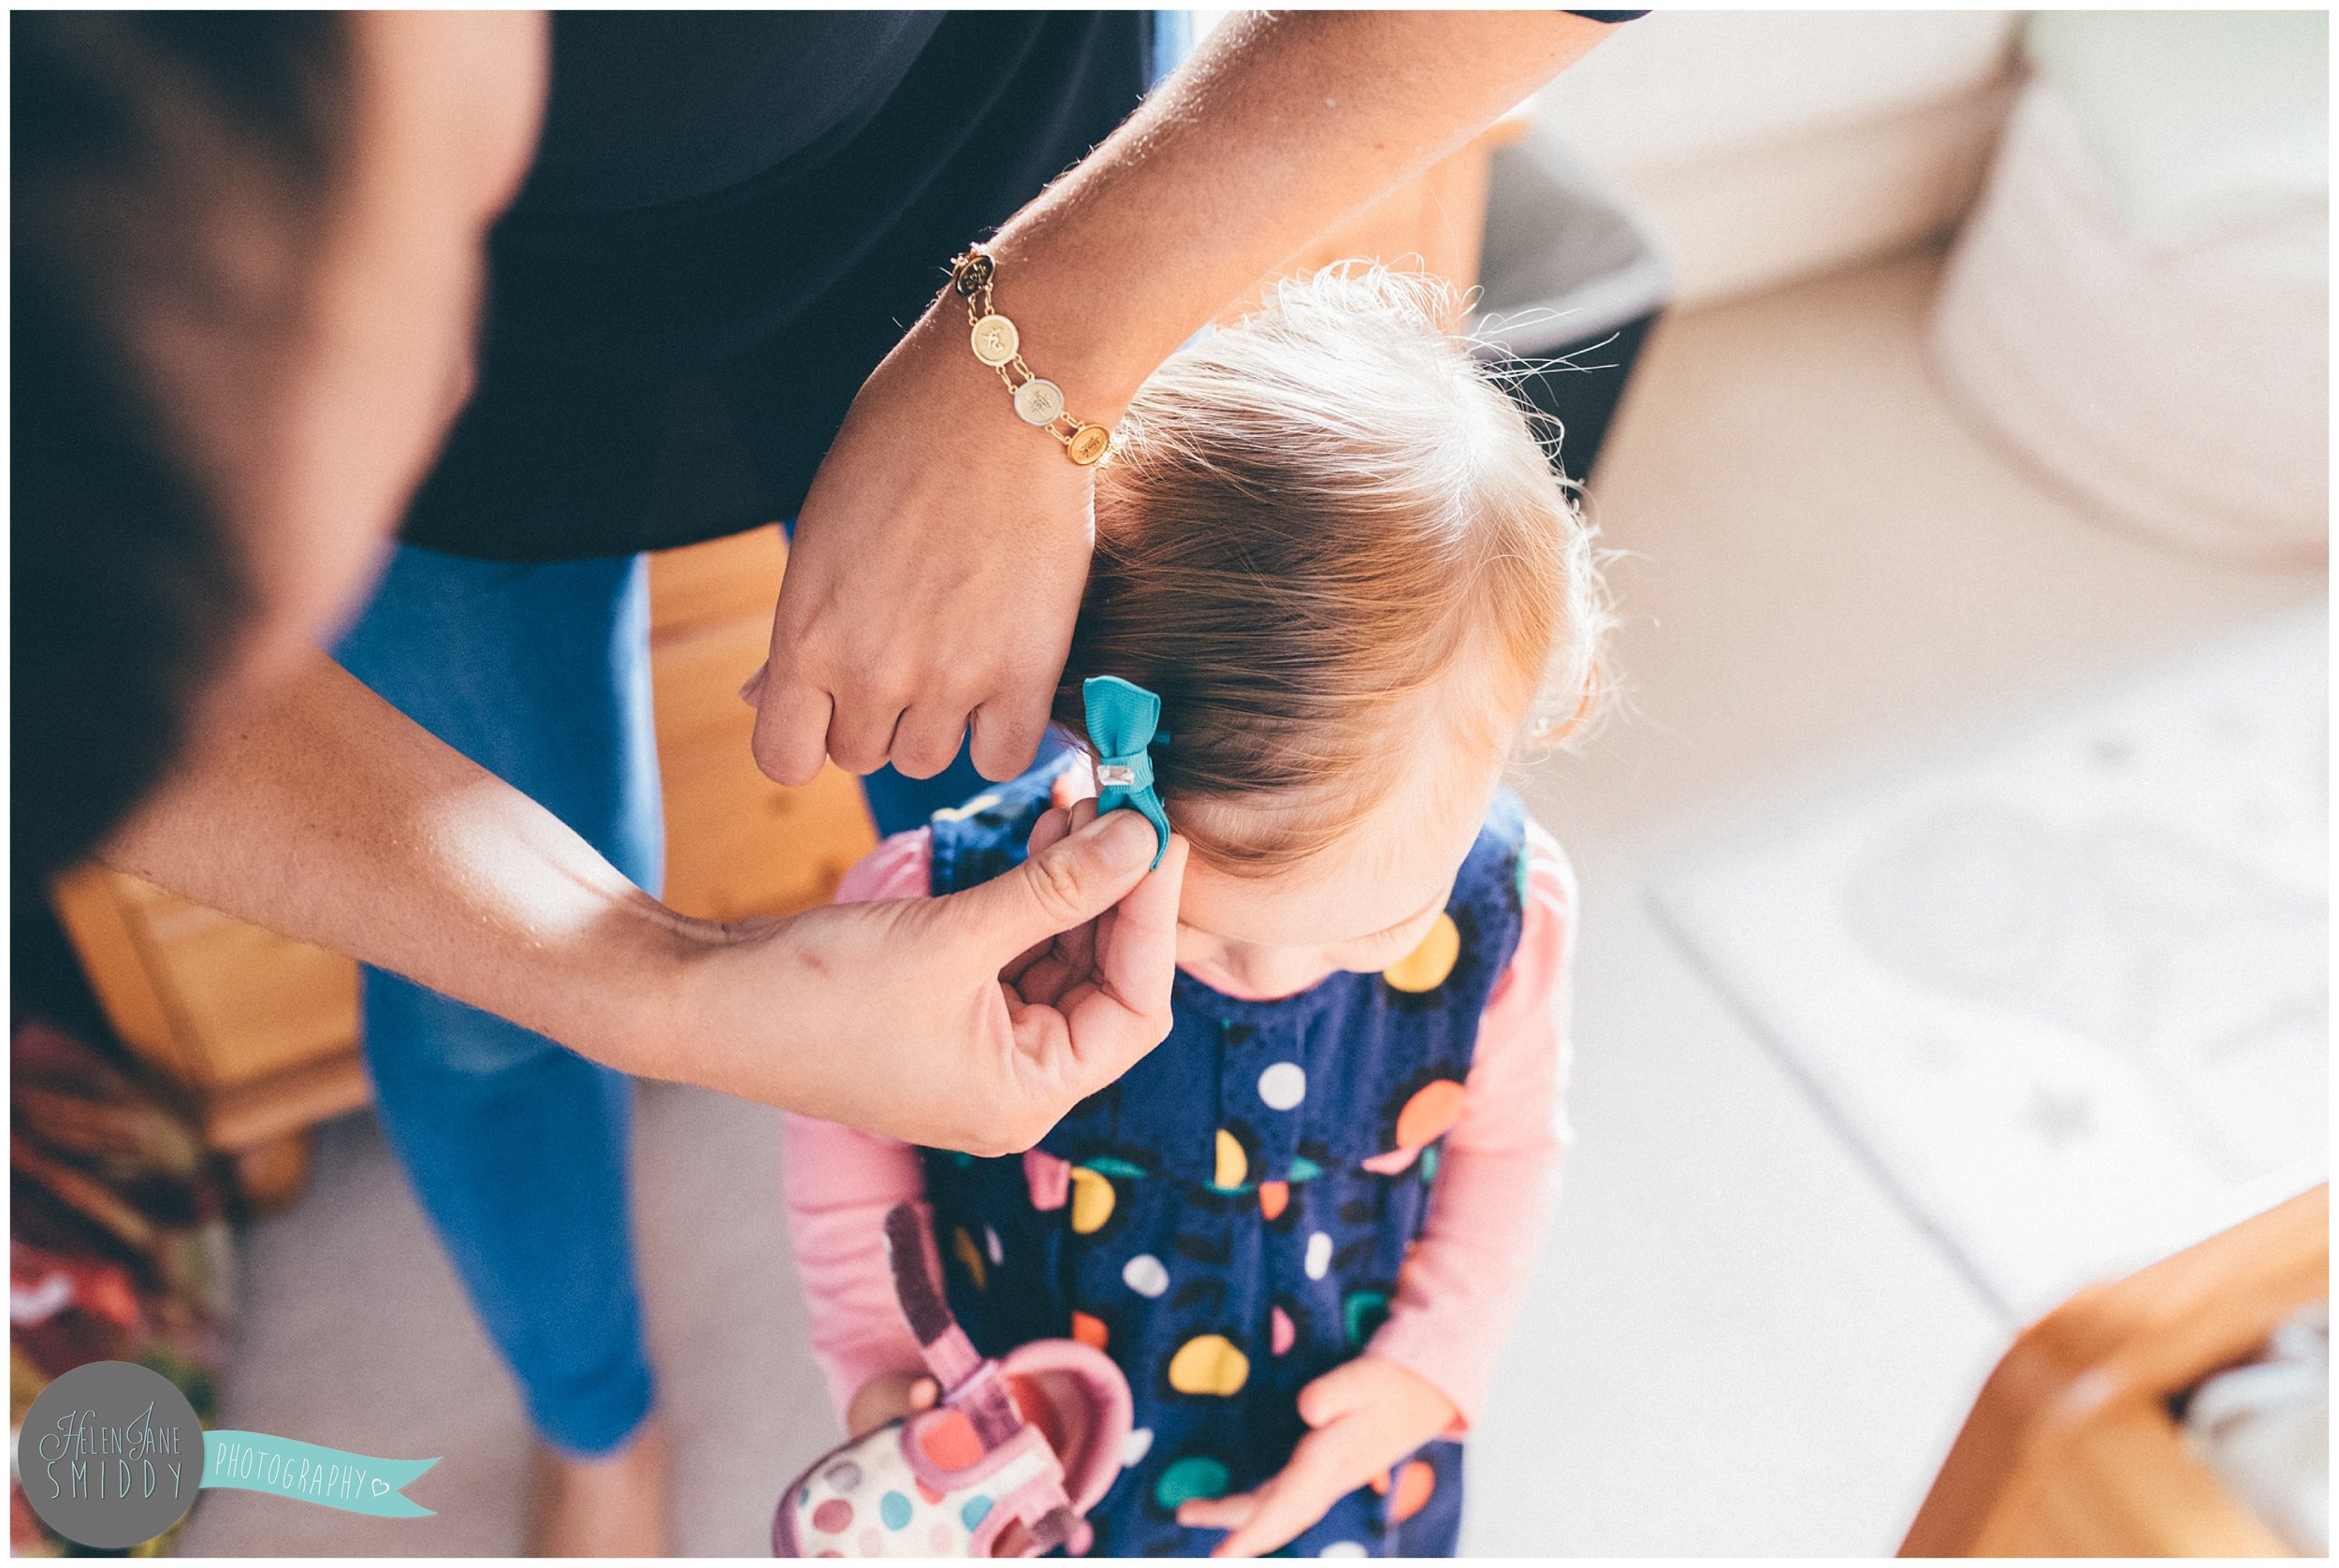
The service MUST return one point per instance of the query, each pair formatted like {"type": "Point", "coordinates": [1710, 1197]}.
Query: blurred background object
{"type": "Point", "coordinates": [1571, 281]}
{"type": "Point", "coordinates": [118, 1240]}
{"type": "Point", "coordinates": [2069, 994]}
{"type": "Point", "coordinates": [2088, 1441]}
{"type": "Point", "coordinates": [2140, 307]}
{"type": "Point", "coordinates": [2265, 1428]}
{"type": "Point", "coordinates": [1765, 146]}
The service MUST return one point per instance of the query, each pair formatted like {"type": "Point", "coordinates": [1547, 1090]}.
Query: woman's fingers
{"type": "Point", "coordinates": [926, 739]}
{"type": "Point", "coordinates": [1138, 951]}
{"type": "Point", "coordinates": [792, 728]}
{"type": "Point", "coordinates": [861, 732]}
{"type": "Point", "coordinates": [751, 689]}
{"type": "Point", "coordinates": [1007, 729]}
{"type": "Point", "coordinates": [1076, 948]}
{"type": "Point", "coordinates": [1053, 826]}
{"type": "Point", "coordinates": [1065, 886]}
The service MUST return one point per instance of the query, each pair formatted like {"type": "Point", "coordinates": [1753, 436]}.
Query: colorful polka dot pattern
{"type": "Point", "coordinates": [1209, 1364]}
{"type": "Point", "coordinates": [1186, 1479]}
{"type": "Point", "coordinates": [963, 1245]}
{"type": "Point", "coordinates": [1145, 1274]}
{"type": "Point", "coordinates": [1092, 1200]}
{"type": "Point", "coordinates": [1283, 1086]}
{"type": "Point", "coordinates": [1232, 1167]}
{"type": "Point", "coordinates": [870, 1502]}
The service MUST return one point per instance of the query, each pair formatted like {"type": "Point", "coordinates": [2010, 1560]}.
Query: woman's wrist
{"type": "Point", "coordinates": [1097, 350]}
{"type": "Point", "coordinates": [632, 989]}
{"type": "Point", "coordinates": [933, 380]}
{"type": "Point", "coordinates": [1092, 343]}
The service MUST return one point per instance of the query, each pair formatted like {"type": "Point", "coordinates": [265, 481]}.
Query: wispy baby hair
{"type": "Point", "coordinates": [1311, 519]}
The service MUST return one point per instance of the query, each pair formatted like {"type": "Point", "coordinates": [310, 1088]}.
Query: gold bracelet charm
{"type": "Point", "coordinates": [1038, 400]}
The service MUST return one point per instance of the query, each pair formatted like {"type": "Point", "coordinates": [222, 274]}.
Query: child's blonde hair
{"type": "Point", "coordinates": [1310, 517]}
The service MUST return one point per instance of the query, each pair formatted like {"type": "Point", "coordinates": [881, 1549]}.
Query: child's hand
{"type": "Point", "coordinates": [889, 1397]}
{"type": "Point", "coordinates": [1368, 1413]}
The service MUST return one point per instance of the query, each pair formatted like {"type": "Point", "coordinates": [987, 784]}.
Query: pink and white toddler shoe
{"type": "Point", "coordinates": [1006, 1464]}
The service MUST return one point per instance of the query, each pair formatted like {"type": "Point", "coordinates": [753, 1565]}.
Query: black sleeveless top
{"type": "Point", "coordinates": [731, 219]}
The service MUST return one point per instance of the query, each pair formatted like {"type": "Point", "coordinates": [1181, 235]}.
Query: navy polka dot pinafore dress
{"type": "Point", "coordinates": [1231, 1219]}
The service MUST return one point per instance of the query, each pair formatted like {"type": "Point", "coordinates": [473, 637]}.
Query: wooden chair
{"type": "Point", "coordinates": [2072, 1449]}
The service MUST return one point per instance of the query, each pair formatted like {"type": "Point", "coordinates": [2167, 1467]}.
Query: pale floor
{"type": "Point", "coordinates": [1738, 1342]}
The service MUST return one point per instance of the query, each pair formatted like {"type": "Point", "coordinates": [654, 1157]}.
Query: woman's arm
{"type": "Point", "coordinates": [329, 816]}
{"type": "Point", "coordinates": [940, 555]}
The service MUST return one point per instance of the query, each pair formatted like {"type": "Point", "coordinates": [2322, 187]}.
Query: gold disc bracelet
{"type": "Point", "coordinates": [1038, 400]}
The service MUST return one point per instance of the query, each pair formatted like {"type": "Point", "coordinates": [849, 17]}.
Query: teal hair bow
{"type": "Point", "coordinates": [1123, 720]}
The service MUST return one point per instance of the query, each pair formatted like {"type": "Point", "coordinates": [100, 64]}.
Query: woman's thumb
{"type": "Point", "coordinates": [1067, 885]}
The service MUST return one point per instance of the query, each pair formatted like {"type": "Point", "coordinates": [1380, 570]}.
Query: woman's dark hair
{"type": "Point", "coordinates": [148, 149]}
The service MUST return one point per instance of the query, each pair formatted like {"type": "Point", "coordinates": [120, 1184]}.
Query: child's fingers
{"type": "Point", "coordinates": [1294, 1499]}
{"type": "Point", "coordinates": [751, 689]}
{"type": "Point", "coordinates": [1284, 1510]}
{"type": "Point", "coordinates": [889, 1397]}
{"type": "Point", "coordinates": [1344, 1388]}
{"type": "Point", "coordinates": [1218, 1513]}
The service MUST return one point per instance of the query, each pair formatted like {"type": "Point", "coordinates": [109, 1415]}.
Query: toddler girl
{"type": "Point", "coordinates": [1301, 1227]}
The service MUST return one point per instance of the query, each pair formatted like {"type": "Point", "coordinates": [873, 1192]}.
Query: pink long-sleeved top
{"type": "Point", "coordinates": [1488, 1209]}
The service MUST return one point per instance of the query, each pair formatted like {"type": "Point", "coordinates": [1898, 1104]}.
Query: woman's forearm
{"type": "Point", "coordinates": [333, 817]}
{"type": "Point", "coordinates": [1280, 125]}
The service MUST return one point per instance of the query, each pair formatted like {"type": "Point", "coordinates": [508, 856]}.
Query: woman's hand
{"type": "Point", "coordinates": [936, 569]}
{"type": "Point", "coordinates": [1367, 1415]}
{"type": "Point", "coordinates": [970, 1022]}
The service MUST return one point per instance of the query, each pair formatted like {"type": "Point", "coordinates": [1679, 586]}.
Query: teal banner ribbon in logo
{"type": "Point", "coordinates": [311, 1472]}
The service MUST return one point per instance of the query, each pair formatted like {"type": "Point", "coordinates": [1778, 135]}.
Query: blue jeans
{"type": "Point", "coordinates": [518, 1146]}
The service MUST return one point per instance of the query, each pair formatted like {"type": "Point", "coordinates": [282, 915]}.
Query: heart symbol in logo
{"type": "Point", "coordinates": [379, 1487]}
